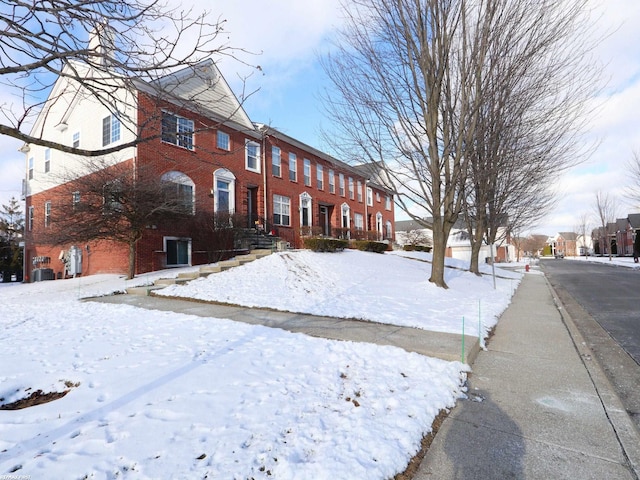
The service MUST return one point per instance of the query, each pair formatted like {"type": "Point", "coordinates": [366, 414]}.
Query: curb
{"type": "Point", "coordinates": [624, 428]}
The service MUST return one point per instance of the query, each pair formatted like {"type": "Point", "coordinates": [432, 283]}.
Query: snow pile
{"type": "Point", "coordinates": [390, 288]}
{"type": "Point", "coordinates": [164, 395]}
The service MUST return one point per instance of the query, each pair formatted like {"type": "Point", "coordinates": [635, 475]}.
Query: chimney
{"type": "Point", "coordinates": [101, 45]}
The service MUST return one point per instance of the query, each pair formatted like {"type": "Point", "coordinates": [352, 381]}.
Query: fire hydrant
{"type": "Point", "coordinates": [526, 268]}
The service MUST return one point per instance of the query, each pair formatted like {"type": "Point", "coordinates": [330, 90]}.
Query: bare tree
{"type": "Point", "coordinates": [583, 228]}
{"type": "Point", "coordinates": [605, 210]}
{"type": "Point", "coordinates": [438, 90]}
{"type": "Point", "coordinates": [535, 243]}
{"type": "Point", "coordinates": [633, 189]}
{"type": "Point", "coordinates": [114, 203]}
{"type": "Point", "coordinates": [533, 85]}
{"type": "Point", "coordinates": [11, 231]}
{"type": "Point", "coordinates": [403, 69]}
{"type": "Point", "coordinates": [131, 43]}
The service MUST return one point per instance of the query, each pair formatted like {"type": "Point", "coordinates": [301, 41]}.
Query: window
{"type": "Point", "coordinates": [178, 251]}
{"type": "Point", "coordinates": [47, 160]}
{"type": "Point", "coordinates": [332, 182]}
{"type": "Point", "coordinates": [31, 218]}
{"type": "Point", "coordinates": [252, 156]}
{"type": "Point", "coordinates": [378, 197]}
{"type": "Point", "coordinates": [112, 197]}
{"type": "Point", "coordinates": [320, 177]}
{"type": "Point", "coordinates": [307, 172]}
{"type": "Point", "coordinates": [369, 196]}
{"type": "Point", "coordinates": [75, 200]}
{"type": "Point", "coordinates": [47, 214]}
{"type": "Point", "coordinates": [276, 162]}
{"type": "Point", "coordinates": [179, 191]}
{"type": "Point", "coordinates": [388, 232]}
{"type": "Point", "coordinates": [293, 167]}
{"type": "Point", "coordinates": [341, 184]}
{"type": "Point", "coordinates": [224, 184]}
{"type": "Point", "coordinates": [387, 202]}
{"type": "Point", "coordinates": [358, 221]}
{"type": "Point", "coordinates": [177, 130]}
{"type": "Point", "coordinates": [222, 141]}
{"type": "Point", "coordinates": [351, 194]}
{"type": "Point", "coordinates": [76, 140]}
{"type": "Point", "coordinates": [31, 168]}
{"type": "Point", "coordinates": [111, 130]}
{"type": "Point", "coordinates": [359, 191]}
{"type": "Point", "coordinates": [281, 210]}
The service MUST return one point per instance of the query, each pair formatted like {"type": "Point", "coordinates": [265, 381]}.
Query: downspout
{"type": "Point", "coordinates": [264, 180]}
{"type": "Point", "coordinates": [366, 207]}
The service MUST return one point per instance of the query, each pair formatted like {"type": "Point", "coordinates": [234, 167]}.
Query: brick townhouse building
{"type": "Point", "coordinates": [202, 142]}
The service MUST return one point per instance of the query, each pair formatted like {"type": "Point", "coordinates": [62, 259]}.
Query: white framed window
{"type": "Point", "coordinates": [387, 202]}
{"type": "Point", "coordinates": [47, 160]}
{"type": "Point", "coordinates": [359, 191]}
{"type": "Point", "coordinates": [177, 130]}
{"type": "Point", "coordinates": [276, 162]}
{"type": "Point", "coordinates": [307, 172]}
{"type": "Point", "coordinates": [332, 181]}
{"type": "Point", "coordinates": [47, 214]}
{"type": "Point", "coordinates": [75, 142]}
{"type": "Point", "coordinates": [378, 197]}
{"type": "Point", "coordinates": [388, 233]}
{"type": "Point", "coordinates": [252, 156]}
{"type": "Point", "coordinates": [369, 196]}
{"type": "Point", "coordinates": [358, 221]}
{"type": "Point", "coordinates": [30, 173]}
{"type": "Point", "coordinates": [351, 189]}
{"type": "Point", "coordinates": [110, 130]}
{"type": "Point", "coordinates": [224, 191]}
{"type": "Point", "coordinates": [293, 167]}
{"type": "Point", "coordinates": [223, 142]}
{"type": "Point", "coordinates": [31, 212]}
{"type": "Point", "coordinates": [320, 177]}
{"type": "Point", "coordinates": [179, 188]}
{"type": "Point", "coordinates": [75, 200]}
{"type": "Point", "coordinates": [341, 184]}
{"type": "Point", "coordinates": [281, 210]}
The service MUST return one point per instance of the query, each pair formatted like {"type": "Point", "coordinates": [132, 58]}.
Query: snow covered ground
{"type": "Point", "coordinates": [163, 395]}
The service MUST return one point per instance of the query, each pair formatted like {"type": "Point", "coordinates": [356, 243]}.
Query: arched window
{"type": "Point", "coordinates": [224, 191]}
{"type": "Point", "coordinates": [345, 221]}
{"type": "Point", "coordinates": [180, 188]}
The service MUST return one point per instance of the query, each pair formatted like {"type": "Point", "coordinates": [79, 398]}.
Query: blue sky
{"type": "Point", "coordinates": [290, 34]}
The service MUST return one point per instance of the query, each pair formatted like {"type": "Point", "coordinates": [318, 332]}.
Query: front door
{"type": "Point", "coordinates": [325, 215]}
{"type": "Point", "coordinates": [252, 206]}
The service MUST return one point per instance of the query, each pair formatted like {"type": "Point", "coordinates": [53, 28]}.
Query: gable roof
{"type": "Point", "coordinates": [569, 235]}
{"type": "Point", "coordinates": [634, 220]}
{"type": "Point", "coordinates": [203, 89]}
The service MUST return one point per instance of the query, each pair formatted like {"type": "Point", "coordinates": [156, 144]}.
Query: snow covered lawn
{"type": "Point", "coordinates": [163, 395]}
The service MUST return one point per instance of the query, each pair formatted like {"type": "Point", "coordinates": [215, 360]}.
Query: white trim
{"type": "Point", "coordinates": [224, 175]}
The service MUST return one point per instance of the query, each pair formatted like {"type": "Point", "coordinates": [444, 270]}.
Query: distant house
{"type": "Point", "coordinates": [566, 244]}
{"type": "Point", "coordinates": [458, 243]}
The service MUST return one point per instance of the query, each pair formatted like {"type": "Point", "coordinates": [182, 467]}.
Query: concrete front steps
{"type": "Point", "coordinates": [203, 271]}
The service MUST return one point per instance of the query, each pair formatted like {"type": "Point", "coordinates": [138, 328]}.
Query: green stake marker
{"type": "Point", "coordinates": [462, 339]}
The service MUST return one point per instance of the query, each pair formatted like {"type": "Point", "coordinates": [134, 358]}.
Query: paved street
{"type": "Point", "coordinates": [604, 302]}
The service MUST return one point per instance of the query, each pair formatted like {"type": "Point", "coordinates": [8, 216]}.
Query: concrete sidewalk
{"type": "Point", "coordinates": [446, 346]}
{"type": "Point", "coordinates": [538, 407]}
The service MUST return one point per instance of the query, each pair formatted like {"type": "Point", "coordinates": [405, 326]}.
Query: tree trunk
{"type": "Point", "coordinates": [439, 253]}
{"type": "Point", "coordinates": [132, 259]}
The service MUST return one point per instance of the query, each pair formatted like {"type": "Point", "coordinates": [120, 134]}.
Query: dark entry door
{"type": "Point", "coordinates": [252, 206]}
{"type": "Point", "coordinates": [325, 215]}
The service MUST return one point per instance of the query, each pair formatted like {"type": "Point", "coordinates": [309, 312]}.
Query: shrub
{"type": "Point", "coordinates": [322, 244]}
{"type": "Point", "coordinates": [416, 248]}
{"type": "Point", "coordinates": [370, 246]}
